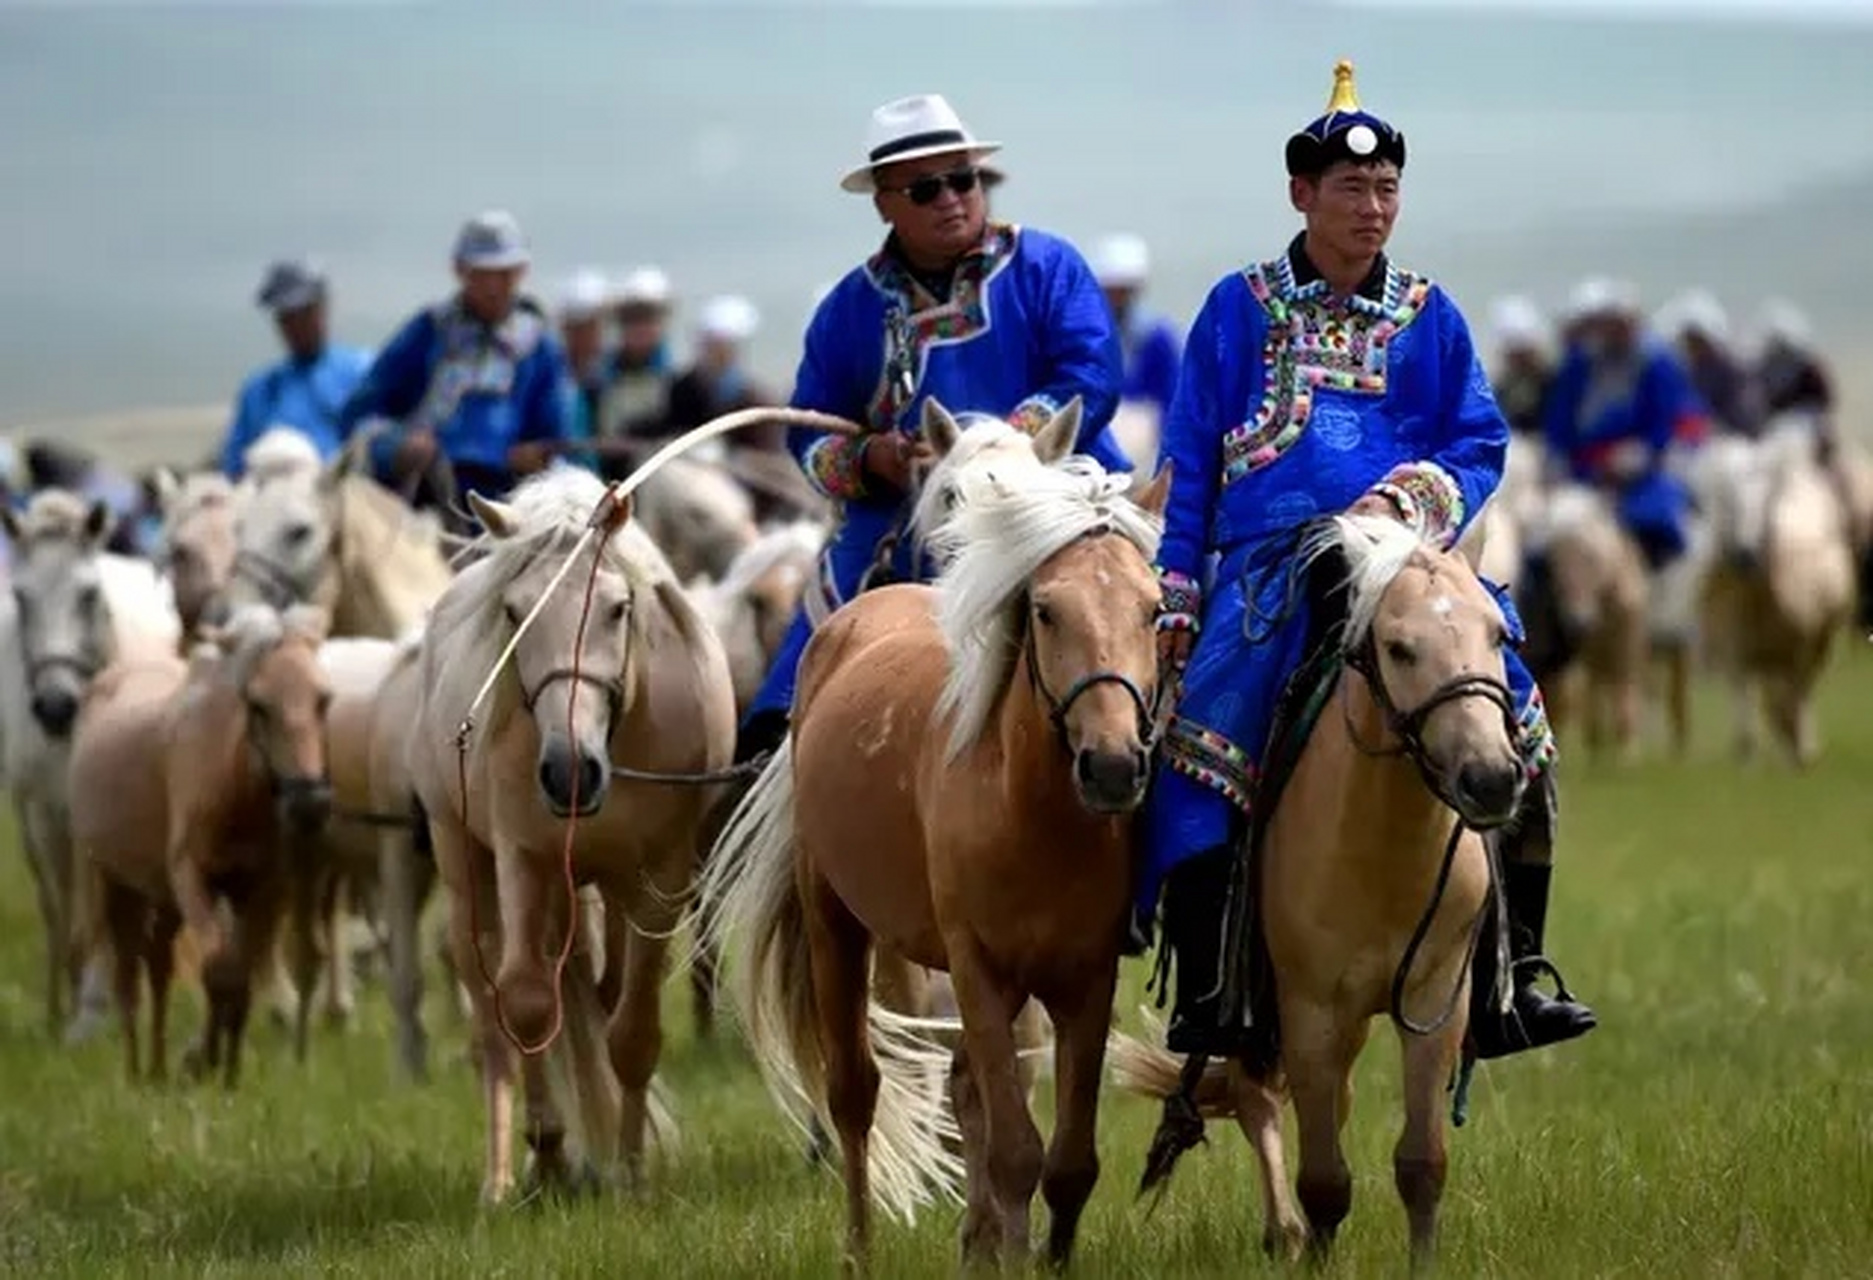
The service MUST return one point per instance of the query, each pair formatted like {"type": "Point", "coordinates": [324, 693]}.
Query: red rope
{"type": "Point", "coordinates": [608, 516]}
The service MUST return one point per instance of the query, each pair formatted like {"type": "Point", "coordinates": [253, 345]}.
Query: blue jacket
{"type": "Point", "coordinates": [309, 396]}
{"type": "Point", "coordinates": [480, 390]}
{"type": "Point", "coordinates": [1153, 352]}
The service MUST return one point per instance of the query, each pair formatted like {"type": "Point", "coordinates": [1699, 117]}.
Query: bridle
{"type": "Point", "coordinates": [1408, 725]}
{"type": "Point", "coordinates": [611, 686]}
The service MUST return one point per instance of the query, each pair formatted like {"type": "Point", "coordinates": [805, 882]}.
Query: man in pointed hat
{"type": "Point", "coordinates": [1329, 379]}
{"type": "Point", "coordinates": [983, 315]}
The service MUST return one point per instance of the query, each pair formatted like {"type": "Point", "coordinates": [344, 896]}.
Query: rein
{"type": "Point", "coordinates": [1408, 728]}
{"type": "Point", "coordinates": [608, 516]}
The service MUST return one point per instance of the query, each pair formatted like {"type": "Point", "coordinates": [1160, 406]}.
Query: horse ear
{"type": "Point", "coordinates": [99, 521]}
{"type": "Point", "coordinates": [496, 517]}
{"type": "Point", "coordinates": [939, 427]}
{"type": "Point", "coordinates": [1154, 496]}
{"type": "Point", "coordinates": [1475, 538]}
{"type": "Point", "coordinates": [167, 488]}
{"type": "Point", "coordinates": [1055, 439]}
{"type": "Point", "coordinates": [11, 520]}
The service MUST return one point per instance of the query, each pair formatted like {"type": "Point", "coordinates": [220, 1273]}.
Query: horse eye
{"type": "Point", "coordinates": [619, 610]}
{"type": "Point", "coordinates": [1400, 652]}
{"type": "Point", "coordinates": [88, 599]}
{"type": "Point", "coordinates": [513, 614]}
{"type": "Point", "coordinates": [325, 704]}
{"type": "Point", "coordinates": [257, 710]}
{"type": "Point", "coordinates": [1043, 615]}
{"type": "Point", "coordinates": [298, 533]}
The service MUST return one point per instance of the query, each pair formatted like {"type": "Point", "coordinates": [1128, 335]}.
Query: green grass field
{"type": "Point", "coordinates": [1720, 1121]}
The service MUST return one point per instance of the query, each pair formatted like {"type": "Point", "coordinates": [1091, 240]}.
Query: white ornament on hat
{"type": "Point", "coordinates": [730, 317]}
{"type": "Point", "coordinates": [1121, 260]}
{"type": "Point", "coordinates": [643, 285]}
{"type": "Point", "coordinates": [910, 129]}
{"type": "Point", "coordinates": [1361, 140]}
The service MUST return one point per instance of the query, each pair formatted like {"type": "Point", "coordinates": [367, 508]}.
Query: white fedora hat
{"type": "Point", "coordinates": [909, 129]}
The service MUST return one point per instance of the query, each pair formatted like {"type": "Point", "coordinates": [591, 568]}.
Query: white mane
{"type": "Point", "coordinates": [1377, 549]}
{"type": "Point", "coordinates": [999, 535]}
{"type": "Point", "coordinates": [986, 444]}
{"type": "Point", "coordinates": [797, 539]}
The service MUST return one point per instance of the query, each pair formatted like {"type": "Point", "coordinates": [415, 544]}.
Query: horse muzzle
{"type": "Point", "coordinates": [1111, 782]}
{"type": "Point", "coordinates": [573, 781]}
{"type": "Point", "coordinates": [305, 803]}
{"type": "Point", "coordinates": [55, 710]}
{"type": "Point", "coordinates": [1485, 796]}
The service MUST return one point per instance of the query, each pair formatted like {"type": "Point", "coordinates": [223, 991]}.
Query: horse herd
{"type": "Point", "coordinates": [321, 704]}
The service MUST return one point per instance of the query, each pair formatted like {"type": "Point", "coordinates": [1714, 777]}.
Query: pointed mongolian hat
{"type": "Point", "coordinates": [1346, 132]}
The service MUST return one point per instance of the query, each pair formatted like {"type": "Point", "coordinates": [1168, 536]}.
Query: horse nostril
{"type": "Point", "coordinates": [1488, 790]}
{"type": "Point", "coordinates": [591, 777]}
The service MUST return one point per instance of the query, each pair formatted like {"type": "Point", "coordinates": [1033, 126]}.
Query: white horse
{"type": "Point", "coordinates": [1783, 584]}
{"type": "Point", "coordinates": [699, 516]}
{"type": "Point", "coordinates": [73, 609]}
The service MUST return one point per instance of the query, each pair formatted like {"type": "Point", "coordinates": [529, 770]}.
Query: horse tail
{"type": "Point", "coordinates": [748, 889]}
{"type": "Point", "coordinates": [1152, 1071]}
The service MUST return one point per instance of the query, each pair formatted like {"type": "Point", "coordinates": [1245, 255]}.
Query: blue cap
{"type": "Point", "coordinates": [1345, 132]}
{"type": "Point", "coordinates": [492, 240]}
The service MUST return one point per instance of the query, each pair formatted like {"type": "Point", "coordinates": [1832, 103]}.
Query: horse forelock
{"type": "Point", "coordinates": [55, 515]}
{"type": "Point", "coordinates": [992, 544]}
{"type": "Point", "coordinates": [468, 625]}
{"type": "Point", "coordinates": [1377, 550]}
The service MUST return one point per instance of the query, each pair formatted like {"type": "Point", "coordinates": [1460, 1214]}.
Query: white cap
{"type": "Point", "coordinates": [1515, 321]}
{"type": "Point", "coordinates": [1121, 261]}
{"type": "Point", "coordinates": [909, 129]}
{"type": "Point", "coordinates": [584, 296]}
{"type": "Point", "coordinates": [1697, 311]}
{"type": "Point", "coordinates": [493, 240]}
{"type": "Point", "coordinates": [730, 317]}
{"type": "Point", "coordinates": [1600, 296]}
{"type": "Point", "coordinates": [643, 286]}
{"type": "Point", "coordinates": [1783, 321]}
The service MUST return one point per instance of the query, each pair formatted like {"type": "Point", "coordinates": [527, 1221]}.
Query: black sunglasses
{"type": "Point", "coordinates": [927, 188]}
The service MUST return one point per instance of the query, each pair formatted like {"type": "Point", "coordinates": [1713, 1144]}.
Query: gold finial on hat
{"type": "Point", "coordinates": [1344, 98]}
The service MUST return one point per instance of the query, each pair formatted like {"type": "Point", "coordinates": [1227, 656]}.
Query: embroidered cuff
{"type": "Point", "coordinates": [835, 466]}
{"type": "Point", "coordinates": [1182, 603]}
{"type": "Point", "coordinates": [1428, 499]}
{"type": "Point", "coordinates": [1033, 413]}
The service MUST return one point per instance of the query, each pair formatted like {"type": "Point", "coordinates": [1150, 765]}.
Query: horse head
{"type": "Point", "coordinates": [572, 658]}
{"type": "Point", "coordinates": [982, 448]}
{"type": "Point", "coordinates": [272, 658]}
{"type": "Point", "coordinates": [1056, 572]}
{"type": "Point", "coordinates": [1428, 639]}
{"type": "Point", "coordinates": [198, 540]}
{"type": "Point", "coordinates": [285, 543]}
{"type": "Point", "coordinates": [62, 618]}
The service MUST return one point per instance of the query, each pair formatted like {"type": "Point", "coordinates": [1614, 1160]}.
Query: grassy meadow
{"type": "Point", "coordinates": [1719, 1123]}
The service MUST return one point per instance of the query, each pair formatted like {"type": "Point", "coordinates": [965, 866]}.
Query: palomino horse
{"type": "Point", "coordinates": [618, 692]}
{"type": "Point", "coordinates": [200, 777]}
{"type": "Point", "coordinates": [1783, 583]}
{"type": "Point", "coordinates": [198, 541]}
{"type": "Point", "coordinates": [1419, 725]}
{"type": "Point", "coordinates": [1582, 597]}
{"type": "Point", "coordinates": [958, 787]}
{"type": "Point", "coordinates": [752, 605]}
{"type": "Point", "coordinates": [340, 540]}
{"type": "Point", "coordinates": [73, 609]}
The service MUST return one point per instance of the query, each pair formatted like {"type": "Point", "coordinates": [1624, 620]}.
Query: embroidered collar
{"type": "Point", "coordinates": [515, 337]}
{"type": "Point", "coordinates": [1306, 275]}
{"type": "Point", "coordinates": [893, 274]}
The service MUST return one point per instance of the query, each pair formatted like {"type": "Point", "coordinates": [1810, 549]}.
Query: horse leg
{"type": "Point", "coordinates": [1015, 1154]}
{"type": "Point", "coordinates": [51, 911]}
{"type": "Point", "coordinates": [979, 1224]}
{"type": "Point", "coordinates": [161, 965]}
{"type": "Point", "coordinates": [1420, 1160]}
{"type": "Point", "coordinates": [1071, 1167]}
{"type": "Point", "coordinates": [336, 910]}
{"type": "Point", "coordinates": [635, 1039]}
{"type": "Point", "coordinates": [304, 894]}
{"type": "Point", "coordinates": [124, 911]}
{"type": "Point", "coordinates": [257, 930]}
{"type": "Point", "coordinates": [523, 987]}
{"type": "Point", "coordinates": [1678, 695]}
{"type": "Point", "coordinates": [839, 952]}
{"type": "Point", "coordinates": [1319, 1047]}
{"type": "Point", "coordinates": [1258, 1115]}
{"type": "Point", "coordinates": [406, 881]}
{"type": "Point", "coordinates": [467, 869]}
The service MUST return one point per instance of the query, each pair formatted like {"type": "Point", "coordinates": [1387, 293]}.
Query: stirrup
{"type": "Point", "coordinates": [1523, 972]}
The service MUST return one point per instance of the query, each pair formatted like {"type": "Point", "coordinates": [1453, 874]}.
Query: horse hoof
{"type": "Point", "coordinates": [1285, 1243]}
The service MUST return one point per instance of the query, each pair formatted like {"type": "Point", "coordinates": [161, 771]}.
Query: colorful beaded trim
{"type": "Point", "coordinates": [1314, 340]}
{"type": "Point", "coordinates": [1539, 749]}
{"type": "Point", "coordinates": [1182, 601]}
{"type": "Point", "coordinates": [933, 323]}
{"type": "Point", "coordinates": [1428, 498]}
{"type": "Point", "coordinates": [1205, 756]}
{"type": "Point", "coordinates": [835, 466]}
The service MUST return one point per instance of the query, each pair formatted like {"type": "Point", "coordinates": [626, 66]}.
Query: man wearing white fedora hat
{"type": "Point", "coordinates": [982, 315]}
{"type": "Point", "coordinates": [477, 379]}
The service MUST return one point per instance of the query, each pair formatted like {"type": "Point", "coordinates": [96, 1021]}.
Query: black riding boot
{"type": "Point", "coordinates": [1533, 1018]}
{"type": "Point", "coordinates": [1194, 896]}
